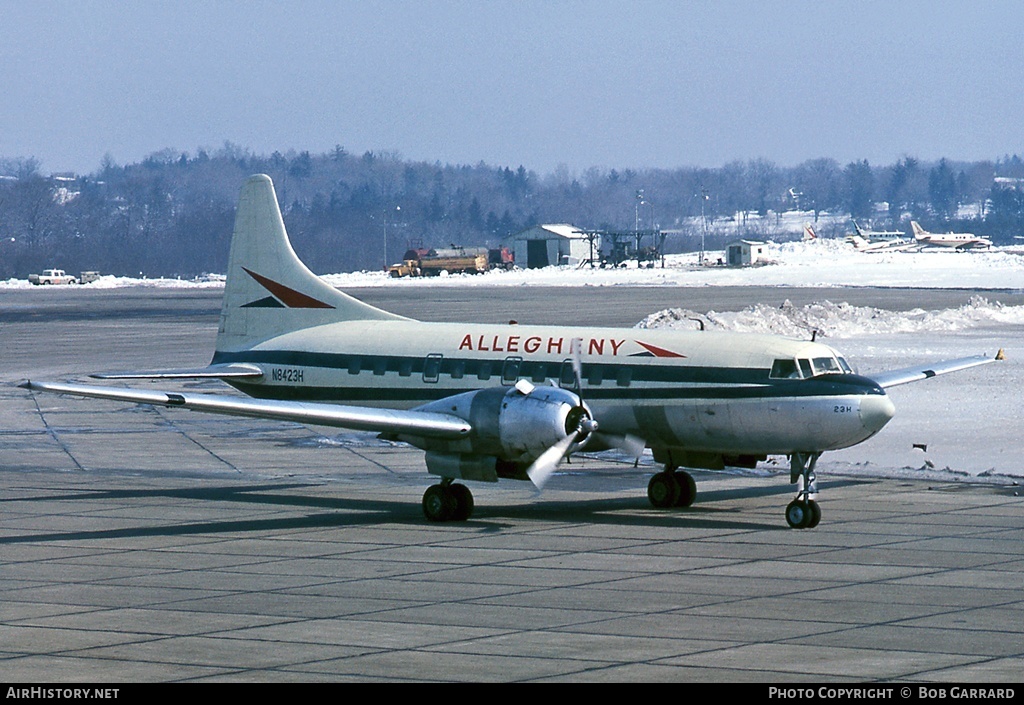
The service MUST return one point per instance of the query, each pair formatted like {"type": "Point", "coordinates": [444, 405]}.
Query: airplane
{"type": "Point", "coordinates": [809, 233]}
{"type": "Point", "coordinates": [959, 241]}
{"type": "Point", "coordinates": [879, 240]}
{"type": "Point", "coordinates": [488, 402]}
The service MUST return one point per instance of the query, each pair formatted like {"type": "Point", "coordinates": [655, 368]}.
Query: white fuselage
{"type": "Point", "coordinates": [704, 391]}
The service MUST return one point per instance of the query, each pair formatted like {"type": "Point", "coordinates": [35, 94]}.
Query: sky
{"type": "Point", "coordinates": [555, 86]}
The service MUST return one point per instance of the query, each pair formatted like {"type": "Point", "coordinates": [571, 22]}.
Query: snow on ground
{"type": "Point", "coordinates": [817, 263]}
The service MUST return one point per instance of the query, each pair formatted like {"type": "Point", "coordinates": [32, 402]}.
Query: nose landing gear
{"type": "Point", "coordinates": [803, 512]}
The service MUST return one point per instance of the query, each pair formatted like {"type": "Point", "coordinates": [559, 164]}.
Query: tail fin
{"type": "Point", "coordinates": [809, 233]}
{"type": "Point", "coordinates": [269, 291]}
{"type": "Point", "coordinates": [919, 232]}
{"type": "Point", "coordinates": [859, 231]}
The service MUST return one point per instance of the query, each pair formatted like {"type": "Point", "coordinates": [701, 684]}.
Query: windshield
{"type": "Point", "coordinates": [826, 365]}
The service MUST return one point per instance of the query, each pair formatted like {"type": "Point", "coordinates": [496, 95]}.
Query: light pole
{"type": "Point", "coordinates": [704, 222]}
{"type": "Point", "coordinates": [397, 209]}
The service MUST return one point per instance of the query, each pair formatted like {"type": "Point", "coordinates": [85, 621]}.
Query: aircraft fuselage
{"type": "Point", "coordinates": [703, 391]}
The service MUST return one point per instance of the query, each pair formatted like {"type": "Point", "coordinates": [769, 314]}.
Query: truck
{"type": "Point", "coordinates": [51, 276]}
{"type": "Point", "coordinates": [455, 260]}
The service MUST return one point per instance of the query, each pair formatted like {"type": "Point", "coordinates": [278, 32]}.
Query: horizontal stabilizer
{"type": "Point", "coordinates": [417, 423]}
{"type": "Point", "coordinates": [232, 370]}
{"type": "Point", "coordinates": [919, 372]}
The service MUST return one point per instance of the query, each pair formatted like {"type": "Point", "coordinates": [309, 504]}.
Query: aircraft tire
{"type": "Point", "coordinates": [663, 490]}
{"type": "Point", "coordinates": [463, 502]}
{"type": "Point", "coordinates": [798, 514]}
{"type": "Point", "coordinates": [687, 488]}
{"type": "Point", "coordinates": [438, 503]}
{"type": "Point", "coordinates": [815, 514]}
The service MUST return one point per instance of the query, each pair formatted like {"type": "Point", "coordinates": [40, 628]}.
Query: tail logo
{"type": "Point", "coordinates": [281, 295]}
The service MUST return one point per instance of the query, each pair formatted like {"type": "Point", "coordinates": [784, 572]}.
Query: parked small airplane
{"type": "Point", "coordinates": [513, 401]}
{"type": "Point", "coordinates": [879, 240]}
{"type": "Point", "coordinates": [959, 241]}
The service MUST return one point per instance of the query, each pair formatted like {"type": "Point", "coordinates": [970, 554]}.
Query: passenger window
{"type": "Point", "coordinates": [784, 369]}
{"type": "Point", "coordinates": [458, 370]}
{"type": "Point", "coordinates": [623, 377]}
{"type": "Point", "coordinates": [355, 365]}
{"type": "Point", "coordinates": [596, 376]}
{"type": "Point", "coordinates": [566, 376]}
{"type": "Point", "coordinates": [380, 366]}
{"type": "Point", "coordinates": [484, 372]}
{"type": "Point", "coordinates": [510, 370]}
{"type": "Point", "coordinates": [540, 371]}
{"type": "Point", "coordinates": [432, 367]}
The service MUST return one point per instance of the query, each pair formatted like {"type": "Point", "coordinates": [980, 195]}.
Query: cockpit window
{"type": "Point", "coordinates": [805, 369]}
{"type": "Point", "coordinates": [826, 365]}
{"type": "Point", "coordinates": [784, 369]}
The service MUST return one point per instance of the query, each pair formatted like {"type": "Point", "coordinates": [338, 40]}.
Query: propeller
{"type": "Point", "coordinates": [628, 443]}
{"type": "Point", "coordinates": [541, 470]}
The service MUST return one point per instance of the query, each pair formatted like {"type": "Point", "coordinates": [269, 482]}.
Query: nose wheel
{"type": "Point", "coordinates": [803, 512]}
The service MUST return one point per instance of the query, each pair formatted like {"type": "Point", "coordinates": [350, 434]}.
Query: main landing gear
{"type": "Point", "coordinates": [672, 488]}
{"type": "Point", "coordinates": [447, 502]}
{"type": "Point", "coordinates": [803, 512]}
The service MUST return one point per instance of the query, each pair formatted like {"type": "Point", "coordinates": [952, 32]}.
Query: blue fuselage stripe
{"type": "Point", "coordinates": [373, 378]}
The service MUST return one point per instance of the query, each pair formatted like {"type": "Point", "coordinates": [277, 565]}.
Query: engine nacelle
{"type": "Point", "coordinates": [529, 424]}
{"type": "Point", "coordinates": [513, 423]}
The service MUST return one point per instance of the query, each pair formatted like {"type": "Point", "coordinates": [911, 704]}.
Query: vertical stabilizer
{"type": "Point", "coordinates": [269, 291]}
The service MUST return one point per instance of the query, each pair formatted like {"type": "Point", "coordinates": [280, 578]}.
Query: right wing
{"type": "Point", "coordinates": [359, 418]}
{"type": "Point", "coordinates": [919, 372]}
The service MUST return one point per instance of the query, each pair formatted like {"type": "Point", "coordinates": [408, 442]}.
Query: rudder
{"type": "Point", "coordinates": [269, 291]}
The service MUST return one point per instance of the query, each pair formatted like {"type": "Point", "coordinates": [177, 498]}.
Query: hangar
{"type": "Point", "coordinates": [547, 245]}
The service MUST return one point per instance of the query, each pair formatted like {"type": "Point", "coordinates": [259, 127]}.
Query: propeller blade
{"type": "Point", "coordinates": [627, 443]}
{"type": "Point", "coordinates": [634, 445]}
{"type": "Point", "coordinates": [541, 470]}
{"type": "Point", "coordinates": [575, 350]}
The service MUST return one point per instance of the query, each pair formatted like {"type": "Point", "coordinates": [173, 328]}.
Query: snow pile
{"type": "Point", "coordinates": [840, 320]}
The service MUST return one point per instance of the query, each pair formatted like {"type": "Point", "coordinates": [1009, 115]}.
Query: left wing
{"type": "Point", "coordinates": [919, 372]}
{"type": "Point", "coordinates": [231, 370]}
{"type": "Point", "coordinates": [418, 423]}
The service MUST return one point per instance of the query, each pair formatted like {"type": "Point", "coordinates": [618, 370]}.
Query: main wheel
{"type": "Point", "coordinates": [438, 503]}
{"type": "Point", "coordinates": [687, 488]}
{"type": "Point", "coordinates": [663, 490]}
{"type": "Point", "coordinates": [463, 502]}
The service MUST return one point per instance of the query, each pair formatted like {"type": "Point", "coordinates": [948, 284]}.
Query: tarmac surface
{"type": "Point", "coordinates": [155, 545]}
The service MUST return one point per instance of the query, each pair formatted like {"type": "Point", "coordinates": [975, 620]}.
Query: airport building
{"type": "Point", "coordinates": [546, 245]}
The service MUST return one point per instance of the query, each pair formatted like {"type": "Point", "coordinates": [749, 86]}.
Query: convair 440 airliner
{"type": "Point", "coordinates": [489, 402]}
